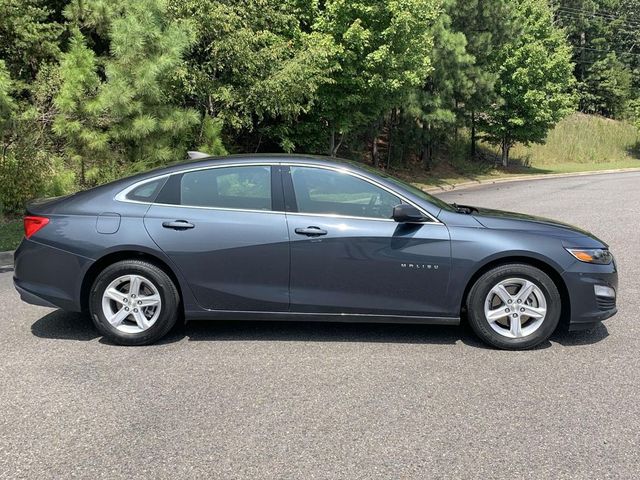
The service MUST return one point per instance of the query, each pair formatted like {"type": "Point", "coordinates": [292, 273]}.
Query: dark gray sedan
{"type": "Point", "coordinates": [278, 237]}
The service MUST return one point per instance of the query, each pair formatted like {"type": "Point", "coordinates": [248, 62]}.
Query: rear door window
{"type": "Point", "coordinates": [244, 188]}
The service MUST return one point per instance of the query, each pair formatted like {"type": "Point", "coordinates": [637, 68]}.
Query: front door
{"type": "Point", "coordinates": [349, 256]}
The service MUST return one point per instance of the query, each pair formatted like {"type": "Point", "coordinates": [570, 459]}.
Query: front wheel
{"type": "Point", "coordinates": [514, 306]}
{"type": "Point", "coordinates": [133, 302]}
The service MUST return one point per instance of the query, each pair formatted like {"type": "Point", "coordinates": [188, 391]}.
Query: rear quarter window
{"type": "Point", "coordinates": [147, 192]}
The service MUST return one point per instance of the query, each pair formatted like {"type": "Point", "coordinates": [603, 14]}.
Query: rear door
{"type": "Point", "coordinates": [349, 256]}
{"type": "Point", "coordinates": [225, 229]}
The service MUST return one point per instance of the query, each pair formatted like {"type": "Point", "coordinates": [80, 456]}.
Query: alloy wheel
{"type": "Point", "coordinates": [131, 303]}
{"type": "Point", "coordinates": [515, 307]}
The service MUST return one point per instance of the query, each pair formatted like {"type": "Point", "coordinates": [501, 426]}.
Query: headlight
{"type": "Point", "coordinates": [601, 256]}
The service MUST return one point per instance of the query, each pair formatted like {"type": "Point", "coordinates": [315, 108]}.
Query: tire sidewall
{"type": "Point", "coordinates": [153, 274]}
{"type": "Point", "coordinates": [480, 290]}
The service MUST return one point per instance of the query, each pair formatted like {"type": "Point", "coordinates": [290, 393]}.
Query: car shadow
{"type": "Point", "coordinates": [61, 325]}
{"type": "Point", "coordinates": [580, 337]}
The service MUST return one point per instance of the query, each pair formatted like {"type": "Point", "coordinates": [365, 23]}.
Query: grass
{"type": "Point", "coordinates": [579, 143]}
{"type": "Point", "coordinates": [11, 232]}
{"type": "Point", "coordinates": [585, 140]}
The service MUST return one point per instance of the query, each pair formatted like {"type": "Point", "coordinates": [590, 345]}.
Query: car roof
{"type": "Point", "coordinates": [256, 157]}
{"type": "Point", "coordinates": [240, 159]}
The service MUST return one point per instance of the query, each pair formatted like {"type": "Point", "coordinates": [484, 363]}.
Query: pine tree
{"type": "Point", "coordinates": [128, 119]}
{"type": "Point", "coordinates": [435, 104]}
{"type": "Point", "coordinates": [487, 26]}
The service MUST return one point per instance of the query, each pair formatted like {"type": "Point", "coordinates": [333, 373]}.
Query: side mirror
{"type": "Point", "coordinates": [405, 213]}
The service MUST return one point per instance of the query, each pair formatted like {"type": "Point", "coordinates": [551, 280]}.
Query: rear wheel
{"type": "Point", "coordinates": [133, 302]}
{"type": "Point", "coordinates": [514, 306]}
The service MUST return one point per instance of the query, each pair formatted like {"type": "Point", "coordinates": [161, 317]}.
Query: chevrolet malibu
{"type": "Point", "coordinates": [305, 238]}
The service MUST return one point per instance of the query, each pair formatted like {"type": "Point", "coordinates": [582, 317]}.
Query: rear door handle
{"type": "Point", "coordinates": [178, 225]}
{"type": "Point", "coordinates": [311, 231]}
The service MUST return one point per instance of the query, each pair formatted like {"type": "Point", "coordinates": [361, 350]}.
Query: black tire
{"type": "Point", "coordinates": [480, 290]}
{"type": "Point", "coordinates": [169, 296]}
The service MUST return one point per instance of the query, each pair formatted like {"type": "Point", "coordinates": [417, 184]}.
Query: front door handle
{"type": "Point", "coordinates": [178, 225]}
{"type": "Point", "coordinates": [311, 231]}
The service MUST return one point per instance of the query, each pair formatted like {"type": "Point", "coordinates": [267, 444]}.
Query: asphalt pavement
{"type": "Point", "coordinates": [329, 401]}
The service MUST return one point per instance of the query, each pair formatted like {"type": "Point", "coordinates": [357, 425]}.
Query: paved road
{"type": "Point", "coordinates": [304, 401]}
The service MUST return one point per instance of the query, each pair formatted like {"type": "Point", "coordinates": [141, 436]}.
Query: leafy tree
{"type": "Point", "coordinates": [535, 81]}
{"type": "Point", "coordinates": [254, 64]}
{"type": "Point", "coordinates": [384, 51]}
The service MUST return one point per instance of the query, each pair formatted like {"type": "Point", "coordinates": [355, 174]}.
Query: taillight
{"type": "Point", "coordinates": [33, 224]}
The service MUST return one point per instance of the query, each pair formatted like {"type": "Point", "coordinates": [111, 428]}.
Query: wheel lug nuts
{"type": "Point", "coordinates": [507, 310]}
{"type": "Point", "coordinates": [135, 310]}
{"type": "Point", "coordinates": [125, 300]}
{"type": "Point", "coordinates": [515, 315]}
{"type": "Point", "coordinates": [519, 301]}
{"type": "Point", "coordinates": [510, 301]}
{"type": "Point", "coordinates": [126, 309]}
{"type": "Point", "coordinates": [133, 296]}
{"type": "Point", "coordinates": [139, 302]}
{"type": "Point", "coordinates": [522, 309]}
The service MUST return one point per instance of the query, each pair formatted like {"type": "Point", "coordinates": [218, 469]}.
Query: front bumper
{"type": "Point", "coordinates": [587, 309]}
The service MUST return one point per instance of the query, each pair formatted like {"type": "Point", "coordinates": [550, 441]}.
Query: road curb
{"type": "Point", "coordinates": [521, 178]}
{"type": "Point", "coordinates": [6, 258]}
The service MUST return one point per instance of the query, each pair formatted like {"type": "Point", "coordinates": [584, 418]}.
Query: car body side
{"type": "Point", "coordinates": [91, 229]}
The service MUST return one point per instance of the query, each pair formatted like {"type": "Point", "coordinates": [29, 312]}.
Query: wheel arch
{"type": "Point", "coordinates": [110, 258]}
{"type": "Point", "coordinates": [546, 267]}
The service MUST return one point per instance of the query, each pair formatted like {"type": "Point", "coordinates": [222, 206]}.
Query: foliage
{"type": "Point", "coordinates": [607, 87]}
{"type": "Point", "coordinates": [118, 109]}
{"type": "Point", "coordinates": [11, 233]}
{"type": "Point", "coordinates": [29, 36]}
{"type": "Point", "coordinates": [253, 64]}
{"type": "Point", "coordinates": [210, 136]}
{"type": "Point", "coordinates": [91, 90]}
{"type": "Point", "coordinates": [384, 50]}
{"type": "Point", "coordinates": [534, 81]}
{"type": "Point", "coordinates": [606, 41]}
{"type": "Point", "coordinates": [7, 103]}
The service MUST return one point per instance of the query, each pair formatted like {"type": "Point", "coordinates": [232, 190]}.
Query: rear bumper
{"type": "Point", "coordinates": [587, 309]}
{"type": "Point", "coordinates": [48, 276]}
{"type": "Point", "coordinates": [32, 298]}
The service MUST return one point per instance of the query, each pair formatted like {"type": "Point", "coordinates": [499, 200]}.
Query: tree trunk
{"type": "Point", "coordinates": [505, 152]}
{"type": "Point", "coordinates": [473, 135]}
{"type": "Point", "coordinates": [427, 146]}
{"type": "Point", "coordinates": [332, 141]}
{"type": "Point", "coordinates": [375, 155]}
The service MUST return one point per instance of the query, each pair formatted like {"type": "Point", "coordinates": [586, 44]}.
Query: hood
{"type": "Point", "coordinates": [499, 219]}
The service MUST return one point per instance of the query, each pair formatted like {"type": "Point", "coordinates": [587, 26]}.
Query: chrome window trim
{"type": "Point", "coordinates": [122, 195]}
